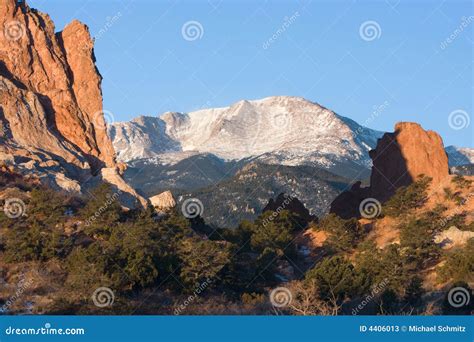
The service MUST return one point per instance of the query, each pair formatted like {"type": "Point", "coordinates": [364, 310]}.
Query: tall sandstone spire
{"type": "Point", "coordinates": [59, 87]}
{"type": "Point", "coordinates": [398, 160]}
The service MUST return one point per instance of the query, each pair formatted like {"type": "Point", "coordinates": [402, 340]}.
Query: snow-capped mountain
{"type": "Point", "coordinates": [235, 158]}
{"type": "Point", "coordinates": [460, 155]}
{"type": "Point", "coordinates": [277, 130]}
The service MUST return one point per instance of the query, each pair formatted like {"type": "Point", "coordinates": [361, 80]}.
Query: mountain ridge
{"type": "Point", "coordinates": [283, 130]}
{"type": "Point", "coordinates": [279, 129]}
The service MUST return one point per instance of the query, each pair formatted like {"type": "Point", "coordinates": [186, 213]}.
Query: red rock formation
{"type": "Point", "coordinates": [398, 160]}
{"type": "Point", "coordinates": [402, 156]}
{"type": "Point", "coordinates": [59, 70]}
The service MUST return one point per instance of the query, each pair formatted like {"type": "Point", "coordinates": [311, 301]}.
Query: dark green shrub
{"type": "Point", "coordinates": [344, 234]}
{"type": "Point", "coordinates": [102, 211]}
{"type": "Point", "coordinates": [461, 182]}
{"type": "Point", "coordinates": [417, 237]}
{"type": "Point", "coordinates": [335, 278]}
{"type": "Point", "coordinates": [408, 198]}
{"type": "Point", "coordinates": [202, 260]}
{"type": "Point", "coordinates": [40, 234]}
{"type": "Point", "coordinates": [459, 265]}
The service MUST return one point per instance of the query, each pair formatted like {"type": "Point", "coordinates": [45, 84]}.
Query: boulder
{"type": "Point", "coordinates": [163, 202]}
{"type": "Point", "coordinates": [453, 237]}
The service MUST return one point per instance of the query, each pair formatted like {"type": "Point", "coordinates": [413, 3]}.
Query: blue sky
{"type": "Point", "coordinates": [407, 71]}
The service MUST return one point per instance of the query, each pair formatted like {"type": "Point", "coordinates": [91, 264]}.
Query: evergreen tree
{"type": "Point", "coordinates": [102, 211]}
{"type": "Point", "coordinates": [202, 260]}
{"type": "Point", "coordinates": [408, 198]}
{"type": "Point", "coordinates": [334, 277]}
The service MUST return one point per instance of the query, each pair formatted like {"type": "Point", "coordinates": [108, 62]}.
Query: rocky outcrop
{"type": "Point", "coordinates": [453, 237]}
{"type": "Point", "coordinates": [346, 204]}
{"type": "Point", "coordinates": [163, 202]}
{"type": "Point", "coordinates": [52, 123]}
{"type": "Point", "coordinates": [398, 160]}
{"type": "Point", "coordinates": [25, 126]}
{"type": "Point", "coordinates": [127, 195]}
{"type": "Point", "coordinates": [57, 76]}
{"type": "Point", "coordinates": [402, 156]}
{"type": "Point", "coordinates": [290, 203]}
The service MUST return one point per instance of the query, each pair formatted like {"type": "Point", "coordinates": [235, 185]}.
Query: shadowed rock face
{"type": "Point", "coordinates": [402, 156]}
{"type": "Point", "coordinates": [346, 205]}
{"type": "Point", "coordinates": [56, 72]}
{"type": "Point", "coordinates": [398, 160]}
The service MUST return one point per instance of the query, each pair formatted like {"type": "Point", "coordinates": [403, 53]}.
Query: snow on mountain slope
{"type": "Point", "coordinates": [460, 155]}
{"type": "Point", "coordinates": [143, 137]}
{"type": "Point", "coordinates": [284, 130]}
